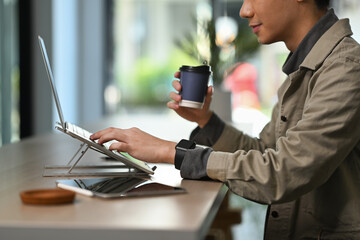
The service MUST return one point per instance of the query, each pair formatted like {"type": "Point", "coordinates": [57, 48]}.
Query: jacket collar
{"type": "Point", "coordinates": [295, 59]}
{"type": "Point", "coordinates": [326, 44]}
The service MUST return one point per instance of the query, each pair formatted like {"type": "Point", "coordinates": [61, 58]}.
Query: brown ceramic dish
{"type": "Point", "coordinates": [47, 196]}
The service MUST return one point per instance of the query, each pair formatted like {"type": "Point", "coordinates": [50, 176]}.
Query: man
{"type": "Point", "coordinates": [306, 163]}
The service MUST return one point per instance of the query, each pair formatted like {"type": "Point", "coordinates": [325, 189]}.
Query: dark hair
{"type": "Point", "coordinates": [322, 4]}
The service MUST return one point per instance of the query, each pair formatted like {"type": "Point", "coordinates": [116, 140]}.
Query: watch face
{"type": "Point", "coordinates": [186, 144]}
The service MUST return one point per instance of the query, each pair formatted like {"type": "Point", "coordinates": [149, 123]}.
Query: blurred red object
{"type": "Point", "coordinates": [240, 79]}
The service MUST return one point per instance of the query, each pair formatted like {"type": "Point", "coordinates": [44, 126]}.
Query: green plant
{"type": "Point", "coordinates": [244, 45]}
{"type": "Point", "coordinates": [150, 82]}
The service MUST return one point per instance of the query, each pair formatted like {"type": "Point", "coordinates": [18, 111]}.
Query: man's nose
{"type": "Point", "coordinates": [246, 9]}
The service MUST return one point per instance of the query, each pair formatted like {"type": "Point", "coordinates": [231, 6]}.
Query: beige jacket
{"type": "Point", "coordinates": [306, 163]}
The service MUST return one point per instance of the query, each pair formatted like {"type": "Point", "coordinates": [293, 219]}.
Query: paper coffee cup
{"type": "Point", "coordinates": [194, 82]}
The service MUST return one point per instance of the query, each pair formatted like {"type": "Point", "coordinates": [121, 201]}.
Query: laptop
{"type": "Point", "coordinates": [84, 135]}
{"type": "Point", "coordinates": [118, 187]}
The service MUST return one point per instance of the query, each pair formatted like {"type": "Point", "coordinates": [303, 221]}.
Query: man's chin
{"type": "Point", "coordinates": [265, 41]}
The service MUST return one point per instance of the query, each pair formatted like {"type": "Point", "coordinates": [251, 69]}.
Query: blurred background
{"type": "Point", "coordinates": [118, 57]}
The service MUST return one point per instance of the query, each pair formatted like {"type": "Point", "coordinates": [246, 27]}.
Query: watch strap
{"type": "Point", "coordinates": [181, 149]}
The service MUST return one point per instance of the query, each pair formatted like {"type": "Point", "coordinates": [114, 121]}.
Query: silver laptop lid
{"type": "Point", "coordinates": [51, 80]}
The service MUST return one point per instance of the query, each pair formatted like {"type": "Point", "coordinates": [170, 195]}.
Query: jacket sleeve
{"type": "Point", "coordinates": [233, 139]}
{"type": "Point", "coordinates": [195, 160]}
{"type": "Point", "coordinates": [310, 151]}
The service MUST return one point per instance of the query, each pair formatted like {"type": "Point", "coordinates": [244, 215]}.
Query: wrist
{"type": "Point", "coordinates": [169, 156]}
{"type": "Point", "coordinates": [205, 120]}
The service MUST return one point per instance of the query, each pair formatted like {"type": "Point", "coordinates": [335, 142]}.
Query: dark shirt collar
{"type": "Point", "coordinates": [294, 60]}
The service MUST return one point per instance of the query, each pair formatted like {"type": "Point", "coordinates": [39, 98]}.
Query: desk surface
{"type": "Point", "coordinates": [185, 216]}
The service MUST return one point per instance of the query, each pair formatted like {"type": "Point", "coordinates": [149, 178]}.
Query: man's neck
{"type": "Point", "coordinates": [297, 56]}
{"type": "Point", "coordinates": [303, 27]}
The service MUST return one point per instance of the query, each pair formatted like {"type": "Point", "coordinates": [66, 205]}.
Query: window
{"type": "Point", "coordinates": [146, 56]}
{"type": "Point", "coordinates": [152, 39]}
{"type": "Point", "coordinates": [9, 72]}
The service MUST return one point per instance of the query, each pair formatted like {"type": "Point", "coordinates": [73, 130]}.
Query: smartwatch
{"type": "Point", "coordinates": [181, 149]}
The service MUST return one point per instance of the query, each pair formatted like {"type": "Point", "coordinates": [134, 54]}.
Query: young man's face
{"type": "Point", "coordinates": [272, 20]}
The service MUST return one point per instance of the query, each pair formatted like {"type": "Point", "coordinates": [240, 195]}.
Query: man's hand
{"type": "Point", "coordinates": [200, 116]}
{"type": "Point", "coordinates": [138, 144]}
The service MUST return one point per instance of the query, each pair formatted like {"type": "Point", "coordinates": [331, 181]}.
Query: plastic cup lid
{"type": "Point", "coordinates": [197, 69]}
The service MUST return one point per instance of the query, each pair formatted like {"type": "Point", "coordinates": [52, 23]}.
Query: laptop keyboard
{"type": "Point", "coordinates": [84, 133]}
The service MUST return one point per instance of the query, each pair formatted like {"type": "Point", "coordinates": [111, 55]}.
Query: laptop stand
{"type": "Point", "coordinates": [74, 169]}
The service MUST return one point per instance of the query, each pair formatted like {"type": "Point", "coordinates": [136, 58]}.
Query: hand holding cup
{"type": "Point", "coordinates": [195, 109]}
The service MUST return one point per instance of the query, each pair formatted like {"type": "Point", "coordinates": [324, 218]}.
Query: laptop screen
{"type": "Point", "coordinates": [51, 80]}
{"type": "Point", "coordinates": [124, 157]}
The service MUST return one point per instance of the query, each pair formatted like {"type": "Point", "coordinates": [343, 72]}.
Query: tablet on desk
{"type": "Point", "coordinates": [119, 187]}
